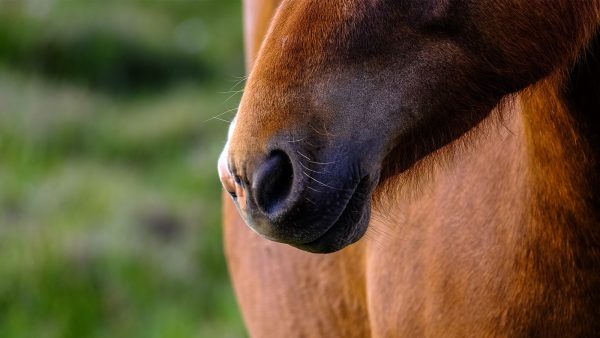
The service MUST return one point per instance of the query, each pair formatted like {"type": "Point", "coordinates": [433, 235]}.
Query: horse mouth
{"type": "Point", "coordinates": [350, 225]}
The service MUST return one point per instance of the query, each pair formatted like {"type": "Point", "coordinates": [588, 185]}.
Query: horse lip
{"type": "Point", "coordinates": [320, 245]}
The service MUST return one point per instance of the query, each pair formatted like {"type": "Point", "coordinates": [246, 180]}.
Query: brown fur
{"type": "Point", "coordinates": [502, 236]}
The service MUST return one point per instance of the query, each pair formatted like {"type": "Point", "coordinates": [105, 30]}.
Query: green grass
{"type": "Point", "coordinates": [109, 198]}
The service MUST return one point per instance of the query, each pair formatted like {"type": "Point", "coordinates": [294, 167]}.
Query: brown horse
{"type": "Point", "coordinates": [459, 139]}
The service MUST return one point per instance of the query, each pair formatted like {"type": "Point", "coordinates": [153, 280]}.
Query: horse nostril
{"type": "Point", "coordinates": [237, 180]}
{"type": "Point", "coordinates": [273, 182]}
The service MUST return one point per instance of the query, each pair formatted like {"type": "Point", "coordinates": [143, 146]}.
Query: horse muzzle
{"type": "Point", "coordinates": [315, 202]}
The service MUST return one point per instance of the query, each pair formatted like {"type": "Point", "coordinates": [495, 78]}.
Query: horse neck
{"type": "Point", "coordinates": [561, 117]}
{"type": "Point", "coordinates": [561, 120]}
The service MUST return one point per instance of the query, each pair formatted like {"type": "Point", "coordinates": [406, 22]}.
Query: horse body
{"type": "Point", "coordinates": [502, 239]}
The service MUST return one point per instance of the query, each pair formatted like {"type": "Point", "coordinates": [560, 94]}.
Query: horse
{"type": "Point", "coordinates": [417, 169]}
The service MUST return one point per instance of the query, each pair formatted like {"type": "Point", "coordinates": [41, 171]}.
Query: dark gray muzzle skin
{"type": "Point", "coordinates": [315, 198]}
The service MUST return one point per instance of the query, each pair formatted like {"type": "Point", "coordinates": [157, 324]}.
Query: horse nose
{"type": "Point", "coordinates": [272, 184]}
{"type": "Point", "coordinates": [229, 182]}
{"type": "Point", "coordinates": [266, 190]}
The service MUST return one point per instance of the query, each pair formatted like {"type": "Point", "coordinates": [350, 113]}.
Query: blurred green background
{"type": "Point", "coordinates": [109, 198]}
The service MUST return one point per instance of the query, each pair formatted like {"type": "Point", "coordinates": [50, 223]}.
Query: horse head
{"type": "Point", "coordinates": [345, 94]}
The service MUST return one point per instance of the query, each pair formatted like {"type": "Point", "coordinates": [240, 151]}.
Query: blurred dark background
{"type": "Point", "coordinates": [112, 115]}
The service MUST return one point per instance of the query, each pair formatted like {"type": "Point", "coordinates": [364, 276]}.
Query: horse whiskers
{"type": "Point", "coordinates": [219, 115]}
{"type": "Point", "coordinates": [295, 141]}
{"type": "Point", "coordinates": [230, 110]}
{"type": "Point", "coordinates": [222, 120]}
{"type": "Point", "coordinates": [323, 184]}
{"type": "Point", "coordinates": [311, 161]}
{"type": "Point", "coordinates": [311, 170]}
{"type": "Point", "coordinates": [232, 95]}
{"type": "Point", "coordinates": [238, 81]}
{"type": "Point", "coordinates": [232, 91]}
{"type": "Point", "coordinates": [309, 200]}
{"type": "Point", "coordinates": [313, 189]}
{"type": "Point", "coordinates": [304, 139]}
{"type": "Point", "coordinates": [327, 133]}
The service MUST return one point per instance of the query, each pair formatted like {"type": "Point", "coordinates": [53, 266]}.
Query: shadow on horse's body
{"type": "Point", "coordinates": [489, 229]}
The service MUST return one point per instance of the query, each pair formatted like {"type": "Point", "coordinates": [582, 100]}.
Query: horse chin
{"type": "Point", "coordinates": [349, 227]}
{"type": "Point", "coordinates": [340, 235]}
